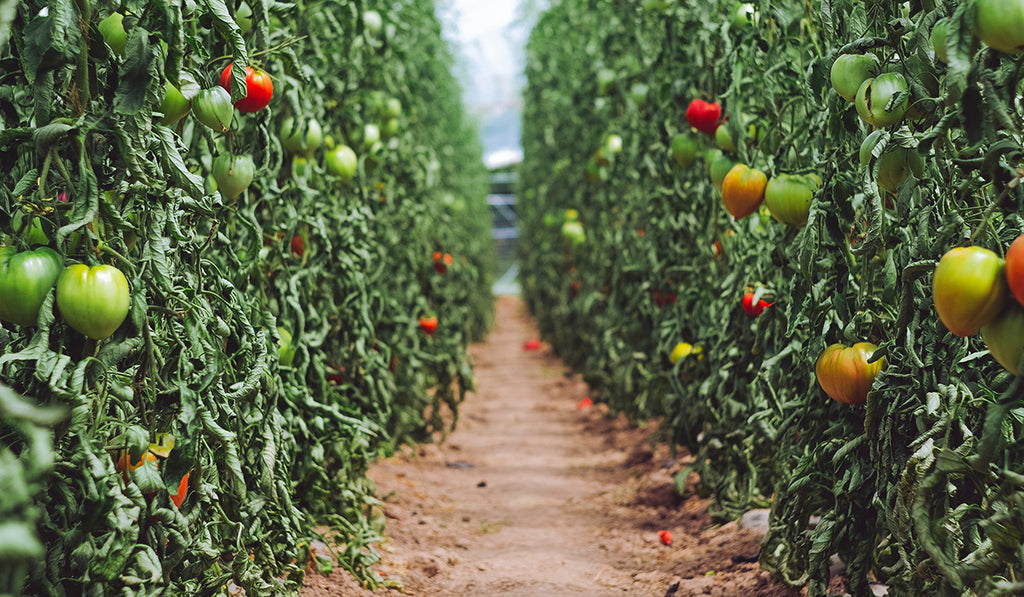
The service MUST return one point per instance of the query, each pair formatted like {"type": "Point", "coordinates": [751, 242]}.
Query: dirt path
{"type": "Point", "coordinates": [535, 496]}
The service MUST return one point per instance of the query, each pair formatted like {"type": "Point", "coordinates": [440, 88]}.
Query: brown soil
{"type": "Point", "coordinates": [533, 496]}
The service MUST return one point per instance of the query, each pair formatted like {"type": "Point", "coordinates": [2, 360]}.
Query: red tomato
{"type": "Point", "coordinates": [743, 190]}
{"type": "Point", "coordinates": [531, 345]}
{"type": "Point", "coordinates": [665, 537]}
{"type": "Point", "coordinates": [845, 374]}
{"type": "Point", "coordinates": [703, 116]}
{"type": "Point", "coordinates": [585, 403]}
{"type": "Point", "coordinates": [179, 497]}
{"type": "Point", "coordinates": [754, 310]}
{"type": "Point", "coordinates": [298, 245]}
{"type": "Point", "coordinates": [259, 89]}
{"type": "Point", "coordinates": [1015, 268]}
{"type": "Point", "coordinates": [428, 325]}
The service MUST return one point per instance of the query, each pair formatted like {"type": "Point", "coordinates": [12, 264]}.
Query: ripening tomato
{"type": "Point", "coordinates": [1015, 268]}
{"type": "Point", "coordinates": [93, 300]}
{"type": "Point", "coordinates": [788, 197]}
{"type": "Point", "coordinates": [743, 190]}
{"type": "Point", "coordinates": [1004, 337]}
{"type": "Point", "coordinates": [845, 374]}
{"type": "Point", "coordinates": [752, 309]}
{"type": "Point", "coordinates": [298, 245]}
{"type": "Point", "coordinates": [849, 71]}
{"type": "Point", "coordinates": [428, 324]}
{"type": "Point", "coordinates": [703, 116]}
{"type": "Point", "coordinates": [259, 88]}
{"type": "Point", "coordinates": [1000, 24]}
{"type": "Point", "coordinates": [969, 289]}
{"type": "Point", "coordinates": [126, 468]}
{"type": "Point", "coordinates": [875, 95]}
{"type": "Point", "coordinates": [25, 280]}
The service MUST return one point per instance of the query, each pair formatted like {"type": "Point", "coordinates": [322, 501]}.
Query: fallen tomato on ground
{"type": "Point", "coordinates": [665, 537]}
{"type": "Point", "coordinates": [586, 402]}
{"type": "Point", "coordinates": [532, 345]}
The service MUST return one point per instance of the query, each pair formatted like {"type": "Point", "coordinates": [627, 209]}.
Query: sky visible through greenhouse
{"type": "Point", "coordinates": [489, 39]}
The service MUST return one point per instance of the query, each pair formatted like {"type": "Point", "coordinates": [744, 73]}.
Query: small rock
{"type": "Point", "coordinates": [879, 590]}
{"type": "Point", "coordinates": [755, 519]}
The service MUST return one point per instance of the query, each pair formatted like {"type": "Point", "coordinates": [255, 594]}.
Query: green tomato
{"type": "Point", "coordinates": [298, 143]}
{"type": "Point", "coordinates": [724, 140]}
{"type": "Point", "coordinates": [573, 233]}
{"type": "Point", "coordinates": [788, 197]}
{"type": "Point", "coordinates": [742, 16]}
{"type": "Point", "coordinates": [243, 17]}
{"type": "Point", "coordinates": [233, 174]}
{"type": "Point", "coordinates": [371, 135]}
{"type": "Point", "coordinates": [605, 81]}
{"type": "Point", "coordinates": [718, 168]}
{"type": "Point", "coordinates": [894, 167]}
{"type": "Point", "coordinates": [638, 93]}
{"type": "Point", "coordinates": [969, 289]}
{"type": "Point", "coordinates": [342, 162]}
{"type": "Point", "coordinates": [286, 349]}
{"type": "Point", "coordinates": [684, 150]}
{"type": "Point", "coordinates": [213, 108]}
{"type": "Point", "coordinates": [93, 300]}
{"type": "Point", "coordinates": [1000, 24]}
{"type": "Point", "coordinates": [612, 145]}
{"type": "Point", "coordinates": [112, 30]}
{"type": "Point", "coordinates": [373, 22]}
{"type": "Point", "coordinates": [25, 280]}
{"type": "Point", "coordinates": [875, 96]}
{"type": "Point", "coordinates": [571, 215]}
{"type": "Point", "coordinates": [174, 106]}
{"type": "Point", "coordinates": [550, 220]}
{"type": "Point", "coordinates": [938, 39]}
{"type": "Point", "coordinates": [849, 72]}
{"type": "Point", "coordinates": [391, 128]}
{"type": "Point", "coordinates": [392, 108]}
{"type": "Point", "coordinates": [1004, 337]}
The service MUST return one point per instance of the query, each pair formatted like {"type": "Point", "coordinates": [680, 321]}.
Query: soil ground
{"type": "Point", "coordinates": [537, 495]}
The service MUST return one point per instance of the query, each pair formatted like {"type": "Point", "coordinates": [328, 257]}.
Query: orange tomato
{"type": "Point", "coordinates": [845, 374]}
{"type": "Point", "coordinates": [743, 190]}
{"type": "Point", "coordinates": [179, 497]}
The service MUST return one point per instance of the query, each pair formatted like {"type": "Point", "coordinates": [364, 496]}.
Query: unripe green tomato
{"type": "Point", "coordinates": [296, 142]}
{"type": "Point", "coordinates": [112, 30]}
{"type": "Point", "coordinates": [849, 72]}
{"type": "Point", "coordinates": [638, 93]}
{"type": "Point", "coordinates": [1000, 24]}
{"type": "Point", "coordinates": [213, 108]}
{"type": "Point", "coordinates": [1004, 337]}
{"type": "Point", "coordinates": [788, 197]}
{"type": "Point", "coordinates": [174, 106]}
{"type": "Point", "coordinates": [373, 22]}
{"type": "Point", "coordinates": [612, 144]}
{"type": "Point", "coordinates": [342, 162]}
{"type": "Point", "coordinates": [605, 81]}
{"type": "Point", "coordinates": [874, 95]}
{"type": "Point", "coordinates": [391, 128]}
{"type": "Point", "coordinates": [938, 39]}
{"type": "Point", "coordinates": [26, 278]}
{"type": "Point", "coordinates": [93, 300]}
{"type": "Point", "coordinates": [724, 140]}
{"type": "Point", "coordinates": [243, 18]}
{"type": "Point", "coordinates": [573, 233]}
{"type": "Point", "coordinates": [234, 174]}
{"type": "Point", "coordinates": [371, 135]}
{"type": "Point", "coordinates": [743, 16]}
{"type": "Point", "coordinates": [721, 166]}
{"type": "Point", "coordinates": [684, 150]}
{"type": "Point", "coordinates": [286, 349]}
{"type": "Point", "coordinates": [894, 167]}
{"type": "Point", "coordinates": [392, 108]}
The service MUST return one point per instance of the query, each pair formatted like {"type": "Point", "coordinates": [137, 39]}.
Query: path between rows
{"type": "Point", "coordinates": [534, 496]}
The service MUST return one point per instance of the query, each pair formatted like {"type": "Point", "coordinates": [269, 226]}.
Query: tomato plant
{"type": "Point", "coordinates": [1000, 24]}
{"type": "Point", "coordinates": [233, 174]}
{"type": "Point", "coordinates": [1015, 268]}
{"type": "Point", "coordinates": [93, 300]}
{"type": "Point", "coordinates": [969, 289]}
{"type": "Point", "coordinates": [883, 100]}
{"type": "Point", "coordinates": [1004, 337]}
{"type": "Point", "coordinates": [845, 373]}
{"type": "Point", "coordinates": [788, 197]}
{"type": "Point", "coordinates": [849, 72]}
{"type": "Point", "coordinates": [704, 116]}
{"type": "Point", "coordinates": [26, 278]}
{"type": "Point", "coordinates": [743, 190]}
{"type": "Point", "coordinates": [259, 88]}
{"type": "Point", "coordinates": [213, 108]}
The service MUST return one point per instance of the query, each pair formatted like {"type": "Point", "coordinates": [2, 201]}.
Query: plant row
{"type": "Point", "coordinates": [791, 230]}
{"type": "Point", "coordinates": [245, 246]}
